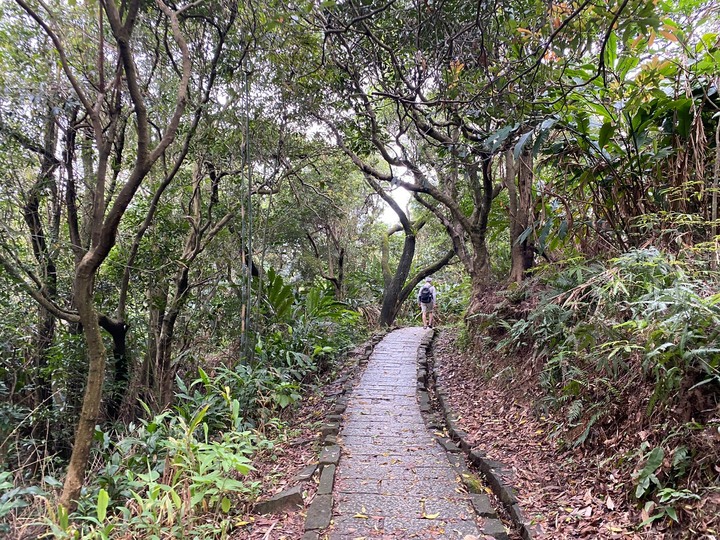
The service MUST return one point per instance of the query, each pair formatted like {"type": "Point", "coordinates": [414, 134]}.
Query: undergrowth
{"type": "Point", "coordinates": [183, 472]}
{"type": "Point", "coordinates": [627, 357]}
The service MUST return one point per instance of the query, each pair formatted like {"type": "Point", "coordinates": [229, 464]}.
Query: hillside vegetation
{"type": "Point", "coordinates": [205, 205]}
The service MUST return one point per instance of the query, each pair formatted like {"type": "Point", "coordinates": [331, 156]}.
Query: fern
{"type": "Point", "coordinates": [584, 435]}
{"type": "Point", "coordinates": [575, 411]}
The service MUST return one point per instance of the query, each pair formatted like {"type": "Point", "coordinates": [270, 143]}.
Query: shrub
{"type": "Point", "coordinates": [600, 326]}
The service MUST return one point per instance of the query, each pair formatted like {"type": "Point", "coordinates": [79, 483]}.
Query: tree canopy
{"type": "Point", "coordinates": [197, 189]}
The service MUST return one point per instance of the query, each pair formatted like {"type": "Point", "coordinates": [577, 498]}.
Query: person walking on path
{"type": "Point", "coordinates": [427, 298]}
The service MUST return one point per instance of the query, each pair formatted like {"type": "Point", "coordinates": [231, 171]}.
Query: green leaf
{"type": "Point", "coordinates": [654, 459]}
{"type": "Point", "coordinates": [225, 505]}
{"type": "Point", "coordinates": [670, 511]}
{"type": "Point", "coordinates": [195, 422]}
{"type": "Point", "coordinates": [521, 144]}
{"type": "Point", "coordinates": [204, 377]}
{"type": "Point", "coordinates": [539, 141]}
{"type": "Point", "coordinates": [63, 518]}
{"type": "Point", "coordinates": [52, 481]}
{"type": "Point", "coordinates": [279, 295]}
{"type": "Point", "coordinates": [525, 234]}
{"type": "Point", "coordinates": [496, 139]}
{"type": "Point", "coordinates": [582, 122]}
{"type": "Point", "coordinates": [606, 131]}
{"type": "Point", "coordinates": [611, 51]}
{"type": "Point", "coordinates": [625, 64]}
{"type": "Point", "coordinates": [548, 123]}
{"type": "Point", "coordinates": [102, 504]}
{"type": "Point", "coordinates": [176, 499]}
{"type": "Point", "coordinates": [684, 118]}
{"type": "Point", "coordinates": [600, 109]}
{"type": "Point", "coordinates": [197, 498]}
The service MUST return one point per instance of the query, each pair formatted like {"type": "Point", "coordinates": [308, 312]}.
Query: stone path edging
{"type": "Point", "coordinates": [319, 513]}
{"type": "Point", "coordinates": [494, 471]}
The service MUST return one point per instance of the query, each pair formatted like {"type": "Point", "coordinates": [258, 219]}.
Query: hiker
{"type": "Point", "coordinates": [427, 298]}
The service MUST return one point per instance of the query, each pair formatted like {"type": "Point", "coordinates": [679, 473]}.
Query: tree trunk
{"type": "Point", "coordinates": [103, 103]}
{"type": "Point", "coordinates": [143, 380]}
{"type": "Point", "coordinates": [391, 300]}
{"type": "Point", "coordinates": [397, 287]}
{"type": "Point", "coordinates": [164, 371]}
{"type": "Point", "coordinates": [121, 367]}
{"type": "Point", "coordinates": [43, 341]}
{"type": "Point", "coordinates": [340, 281]}
{"type": "Point", "coordinates": [522, 253]}
{"type": "Point", "coordinates": [395, 292]}
{"type": "Point", "coordinates": [479, 274]}
{"type": "Point", "coordinates": [93, 389]}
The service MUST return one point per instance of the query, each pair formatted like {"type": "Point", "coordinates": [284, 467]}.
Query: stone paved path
{"type": "Point", "coordinates": [394, 480]}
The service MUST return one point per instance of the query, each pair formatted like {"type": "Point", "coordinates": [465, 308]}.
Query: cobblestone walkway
{"type": "Point", "coordinates": [394, 480]}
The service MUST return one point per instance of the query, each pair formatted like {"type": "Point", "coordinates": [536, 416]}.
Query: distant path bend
{"type": "Point", "coordinates": [394, 480]}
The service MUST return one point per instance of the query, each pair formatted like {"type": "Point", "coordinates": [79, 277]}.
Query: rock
{"type": "Point", "coordinates": [288, 499]}
{"type": "Point", "coordinates": [477, 456]}
{"type": "Point", "coordinates": [327, 479]}
{"type": "Point", "coordinates": [340, 405]}
{"type": "Point", "coordinates": [319, 514]}
{"type": "Point", "coordinates": [330, 429]}
{"type": "Point", "coordinates": [330, 440]}
{"type": "Point", "coordinates": [330, 455]}
{"type": "Point", "coordinates": [306, 474]}
{"type": "Point", "coordinates": [481, 504]}
{"type": "Point", "coordinates": [449, 446]}
{"type": "Point", "coordinates": [507, 495]}
{"type": "Point", "coordinates": [495, 528]}
{"type": "Point", "coordinates": [517, 515]}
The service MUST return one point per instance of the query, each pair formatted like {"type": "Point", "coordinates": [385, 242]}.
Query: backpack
{"type": "Point", "coordinates": [426, 295]}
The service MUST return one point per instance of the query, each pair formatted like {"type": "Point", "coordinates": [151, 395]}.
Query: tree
{"type": "Point", "coordinates": [396, 285]}
{"type": "Point", "coordinates": [440, 91]}
{"type": "Point", "coordinates": [116, 154]}
{"type": "Point", "coordinates": [628, 162]}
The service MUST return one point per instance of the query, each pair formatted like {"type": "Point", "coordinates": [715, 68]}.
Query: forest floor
{"type": "Point", "coordinates": [277, 468]}
{"type": "Point", "coordinates": [571, 493]}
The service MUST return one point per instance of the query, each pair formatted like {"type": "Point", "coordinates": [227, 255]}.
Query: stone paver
{"type": "Point", "coordinates": [393, 479]}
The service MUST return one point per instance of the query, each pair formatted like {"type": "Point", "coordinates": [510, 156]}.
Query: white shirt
{"type": "Point", "coordinates": [432, 291]}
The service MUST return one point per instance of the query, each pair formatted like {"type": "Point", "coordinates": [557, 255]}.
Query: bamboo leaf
{"type": "Point", "coordinates": [102, 504]}
{"type": "Point", "coordinates": [611, 51]}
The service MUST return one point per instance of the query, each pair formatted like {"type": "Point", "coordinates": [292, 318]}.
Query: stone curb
{"type": "Point", "coordinates": [319, 513]}
{"type": "Point", "coordinates": [494, 471]}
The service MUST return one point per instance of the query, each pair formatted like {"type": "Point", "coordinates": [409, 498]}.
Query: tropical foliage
{"type": "Point", "coordinates": [193, 231]}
